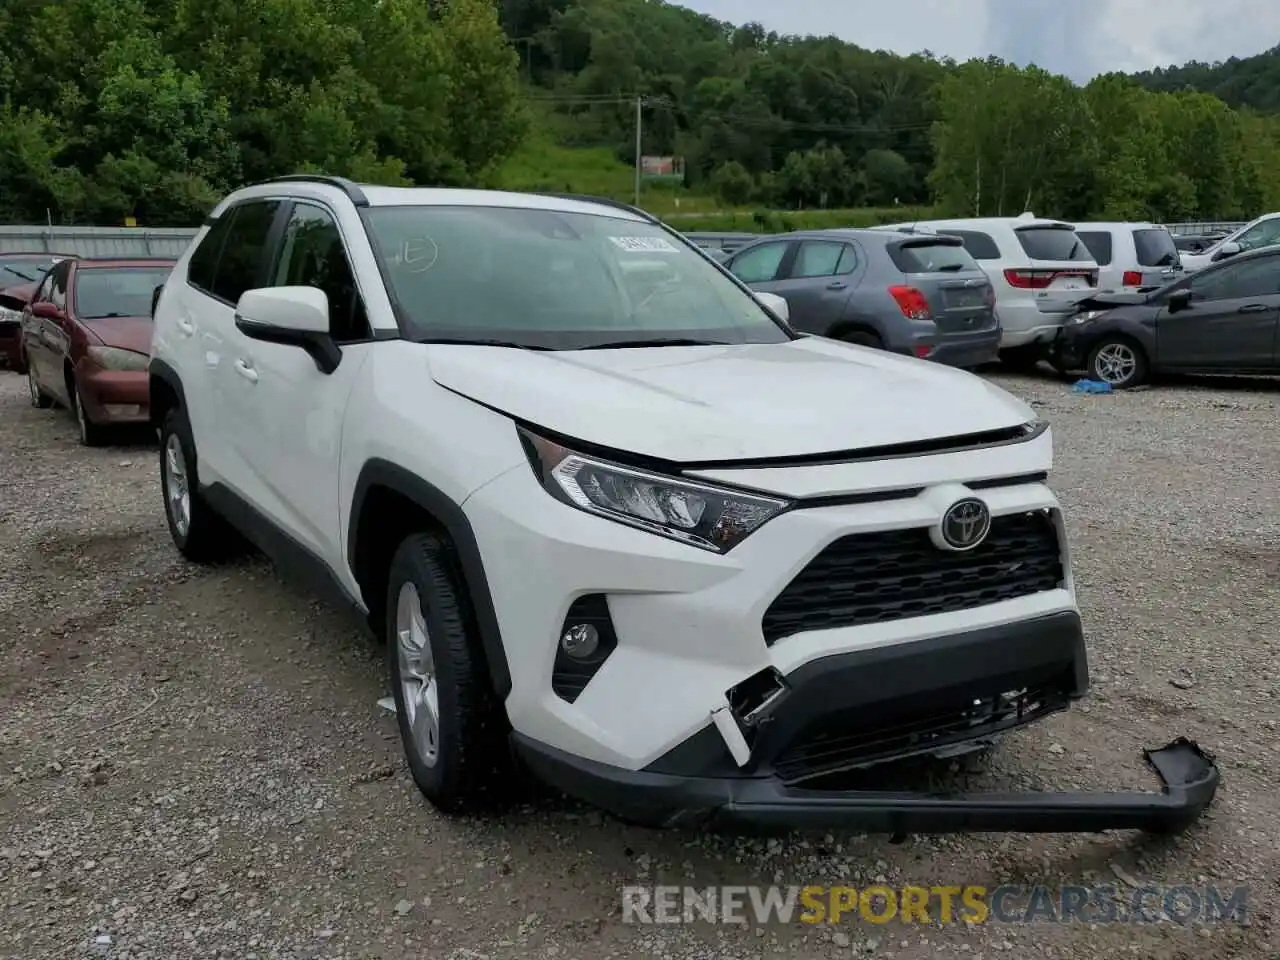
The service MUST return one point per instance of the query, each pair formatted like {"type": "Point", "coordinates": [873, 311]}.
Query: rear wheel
{"type": "Point", "coordinates": [451, 724]}
{"type": "Point", "coordinates": [39, 399]}
{"type": "Point", "coordinates": [863, 338]}
{"type": "Point", "coordinates": [200, 534]}
{"type": "Point", "coordinates": [1119, 362]}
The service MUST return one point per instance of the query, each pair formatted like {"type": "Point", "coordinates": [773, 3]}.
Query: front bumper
{"type": "Point", "coordinates": [1069, 350]}
{"type": "Point", "coordinates": [115, 396]}
{"type": "Point", "coordinates": [860, 709]}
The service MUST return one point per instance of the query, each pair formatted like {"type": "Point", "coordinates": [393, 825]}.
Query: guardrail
{"type": "Point", "coordinates": [98, 241]}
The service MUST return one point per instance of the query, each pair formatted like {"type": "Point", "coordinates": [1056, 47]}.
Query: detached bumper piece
{"type": "Point", "coordinates": [766, 804]}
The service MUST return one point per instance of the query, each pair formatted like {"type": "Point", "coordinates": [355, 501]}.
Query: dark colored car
{"type": "Point", "coordinates": [19, 274]}
{"type": "Point", "coordinates": [1223, 319]}
{"type": "Point", "coordinates": [920, 294]}
{"type": "Point", "coordinates": [86, 335]}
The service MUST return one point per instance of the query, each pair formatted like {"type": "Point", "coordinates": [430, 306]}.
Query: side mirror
{"type": "Point", "coordinates": [1179, 300]}
{"type": "Point", "coordinates": [774, 304]}
{"type": "Point", "coordinates": [46, 310]}
{"type": "Point", "coordinates": [292, 317]}
{"type": "Point", "coordinates": [1228, 249]}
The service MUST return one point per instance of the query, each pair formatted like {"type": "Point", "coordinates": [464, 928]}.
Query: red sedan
{"type": "Point", "coordinates": [86, 337]}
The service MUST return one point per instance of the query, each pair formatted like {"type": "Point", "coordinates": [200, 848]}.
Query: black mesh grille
{"type": "Point", "coordinates": [843, 742]}
{"type": "Point", "coordinates": [896, 574]}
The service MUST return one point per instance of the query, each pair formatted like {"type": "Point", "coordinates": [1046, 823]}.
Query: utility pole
{"type": "Point", "coordinates": [639, 128]}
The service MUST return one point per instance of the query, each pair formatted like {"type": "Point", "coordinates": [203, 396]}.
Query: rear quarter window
{"type": "Point", "coordinates": [1099, 244]}
{"type": "Point", "coordinates": [1052, 243]}
{"type": "Point", "coordinates": [1155, 248]}
{"type": "Point", "coordinates": [932, 258]}
{"type": "Point", "coordinates": [981, 246]}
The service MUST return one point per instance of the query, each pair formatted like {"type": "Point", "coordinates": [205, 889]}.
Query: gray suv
{"type": "Point", "coordinates": [917, 294]}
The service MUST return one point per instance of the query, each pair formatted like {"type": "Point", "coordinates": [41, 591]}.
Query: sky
{"type": "Point", "coordinates": [1078, 38]}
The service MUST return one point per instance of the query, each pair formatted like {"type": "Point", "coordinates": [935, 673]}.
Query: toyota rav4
{"type": "Point", "coordinates": [615, 519]}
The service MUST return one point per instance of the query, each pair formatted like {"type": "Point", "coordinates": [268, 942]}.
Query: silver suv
{"type": "Point", "coordinates": [916, 294]}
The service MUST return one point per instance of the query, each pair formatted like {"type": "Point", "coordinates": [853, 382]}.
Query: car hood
{"type": "Point", "coordinates": [709, 404]}
{"type": "Point", "coordinates": [1109, 301]}
{"type": "Point", "coordinates": [128, 333]}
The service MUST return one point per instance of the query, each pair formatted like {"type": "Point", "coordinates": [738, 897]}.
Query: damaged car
{"type": "Point", "coordinates": [624, 526]}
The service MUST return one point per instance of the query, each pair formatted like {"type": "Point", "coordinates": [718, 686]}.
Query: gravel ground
{"type": "Point", "coordinates": [192, 763]}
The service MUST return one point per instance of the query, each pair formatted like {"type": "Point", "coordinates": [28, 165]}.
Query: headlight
{"type": "Point", "coordinates": [117, 358]}
{"type": "Point", "coordinates": [10, 315]}
{"type": "Point", "coordinates": [703, 516]}
{"type": "Point", "coordinates": [1087, 316]}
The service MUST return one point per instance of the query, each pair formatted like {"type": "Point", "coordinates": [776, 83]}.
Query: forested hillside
{"type": "Point", "coordinates": [1240, 81]}
{"type": "Point", "coordinates": [153, 108]}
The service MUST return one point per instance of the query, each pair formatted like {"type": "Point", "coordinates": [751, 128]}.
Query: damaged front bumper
{"type": "Point", "coordinates": [766, 760]}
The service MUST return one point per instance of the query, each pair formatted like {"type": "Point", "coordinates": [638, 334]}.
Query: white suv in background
{"type": "Point", "coordinates": [1039, 268]}
{"type": "Point", "coordinates": [1131, 257]}
{"type": "Point", "coordinates": [623, 525]}
{"type": "Point", "coordinates": [1262, 232]}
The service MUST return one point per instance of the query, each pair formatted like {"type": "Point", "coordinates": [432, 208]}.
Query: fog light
{"type": "Point", "coordinates": [580, 641]}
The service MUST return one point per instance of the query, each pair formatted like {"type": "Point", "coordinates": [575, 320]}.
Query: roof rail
{"type": "Point", "coordinates": [604, 201]}
{"type": "Point", "coordinates": [349, 187]}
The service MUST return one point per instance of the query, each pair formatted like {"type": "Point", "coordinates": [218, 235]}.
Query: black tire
{"type": "Point", "coordinates": [472, 758]}
{"type": "Point", "coordinates": [39, 399]}
{"type": "Point", "coordinates": [91, 434]}
{"type": "Point", "coordinates": [1118, 361]}
{"type": "Point", "coordinates": [863, 338]}
{"type": "Point", "coordinates": [205, 537]}
{"type": "Point", "coordinates": [1021, 359]}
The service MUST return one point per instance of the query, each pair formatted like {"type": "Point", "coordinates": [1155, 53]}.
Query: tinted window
{"type": "Point", "coordinates": [1263, 234]}
{"type": "Point", "coordinates": [759, 265]}
{"type": "Point", "coordinates": [24, 270]}
{"type": "Point", "coordinates": [1099, 244]}
{"type": "Point", "coordinates": [203, 265]}
{"type": "Point", "coordinates": [1251, 278]}
{"type": "Point", "coordinates": [1155, 248]}
{"type": "Point", "coordinates": [117, 291]}
{"type": "Point", "coordinates": [312, 255]}
{"type": "Point", "coordinates": [556, 279]}
{"type": "Point", "coordinates": [244, 254]}
{"type": "Point", "coordinates": [931, 258]}
{"type": "Point", "coordinates": [1052, 243]}
{"type": "Point", "coordinates": [980, 245]}
{"type": "Point", "coordinates": [822, 258]}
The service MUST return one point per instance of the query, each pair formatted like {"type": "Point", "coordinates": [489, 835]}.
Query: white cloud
{"type": "Point", "coordinates": [1079, 38]}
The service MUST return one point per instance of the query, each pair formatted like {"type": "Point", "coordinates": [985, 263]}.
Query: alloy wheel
{"type": "Point", "coordinates": [177, 492]}
{"type": "Point", "coordinates": [417, 675]}
{"type": "Point", "coordinates": [1116, 363]}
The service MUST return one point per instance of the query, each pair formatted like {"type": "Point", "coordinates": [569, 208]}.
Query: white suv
{"type": "Point", "coordinates": [613, 517]}
{"type": "Point", "coordinates": [1039, 269]}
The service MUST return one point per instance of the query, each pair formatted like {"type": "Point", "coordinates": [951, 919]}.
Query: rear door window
{"type": "Point", "coordinates": [243, 263]}
{"type": "Point", "coordinates": [1155, 248]}
{"type": "Point", "coordinates": [1052, 243]}
{"type": "Point", "coordinates": [981, 246]}
{"type": "Point", "coordinates": [1099, 244]}
{"type": "Point", "coordinates": [822, 258]}
{"type": "Point", "coordinates": [932, 258]}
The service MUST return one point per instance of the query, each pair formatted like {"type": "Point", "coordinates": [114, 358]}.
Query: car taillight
{"type": "Point", "coordinates": [1131, 278]}
{"type": "Point", "coordinates": [1041, 279]}
{"type": "Point", "coordinates": [911, 302]}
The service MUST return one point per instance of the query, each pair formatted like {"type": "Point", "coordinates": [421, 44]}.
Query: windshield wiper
{"type": "Point", "coordinates": [483, 342]}
{"type": "Point", "coordinates": [20, 275]}
{"type": "Point", "coordinates": [656, 342]}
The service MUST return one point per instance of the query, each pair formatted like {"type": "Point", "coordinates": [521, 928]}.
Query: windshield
{"type": "Point", "coordinates": [1053, 243]}
{"type": "Point", "coordinates": [560, 281]}
{"type": "Point", "coordinates": [940, 257]}
{"type": "Point", "coordinates": [117, 291]}
{"type": "Point", "coordinates": [24, 270]}
{"type": "Point", "coordinates": [1155, 248]}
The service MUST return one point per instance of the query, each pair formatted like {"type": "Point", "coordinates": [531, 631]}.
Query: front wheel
{"type": "Point", "coordinates": [1119, 362]}
{"type": "Point", "coordinates": [39, 399]}
{"type": "Point", "coordinates": [863, 338]}
{"type": "Point", "coordinates": [91, 434]}
{"type": "Point", "coordinates": [450, 722]}
{"type": "Point", "coordinates": [200, 534]}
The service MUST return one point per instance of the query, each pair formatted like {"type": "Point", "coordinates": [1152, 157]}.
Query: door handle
{"type": "Point", "coordinates": [186, 326]}
{"type": "Point", "coordinates": [1254, 308]}
{"type": "Point", "coordinates": [246, 370]}
{"type": "Point", "coordinates": [836, 285]}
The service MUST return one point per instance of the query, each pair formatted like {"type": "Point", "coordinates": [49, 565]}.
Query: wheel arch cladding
{"type": "Point", "coordinates": [383, 493]}
{"type": "Point", "coordinates": [165, 391]}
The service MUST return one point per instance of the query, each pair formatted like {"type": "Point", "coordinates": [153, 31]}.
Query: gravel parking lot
{"type": "Point", "coordinates": [192, 762]}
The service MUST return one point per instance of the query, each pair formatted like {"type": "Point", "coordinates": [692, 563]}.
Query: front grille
{"type": "Point", "coordinates": [895, 574]}
{"type": "Point", "coordinates": [844, 742]}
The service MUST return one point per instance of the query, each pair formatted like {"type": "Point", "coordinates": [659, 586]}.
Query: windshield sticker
{"type": "Point", "coordinates": [645, 244]}
{"type": "Point", "coordinates": [416, 255]}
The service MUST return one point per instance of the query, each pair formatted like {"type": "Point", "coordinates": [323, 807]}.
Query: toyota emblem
{"type": "Point", "coordinates": [965, 524]}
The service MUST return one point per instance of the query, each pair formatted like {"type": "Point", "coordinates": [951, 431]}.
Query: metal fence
{"type": "Point", "coordinates": [98, 241]}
